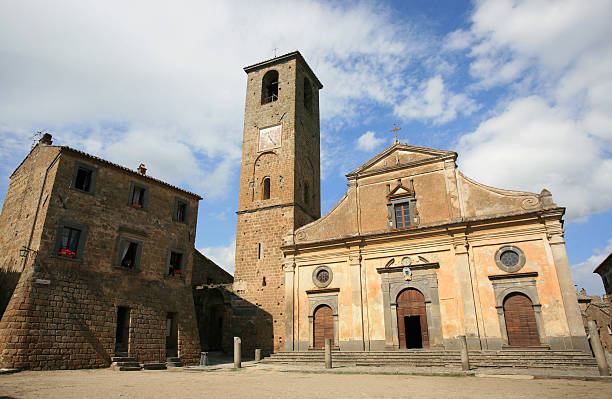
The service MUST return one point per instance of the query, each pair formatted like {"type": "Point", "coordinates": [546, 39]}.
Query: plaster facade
{"type": "Point", "coordinates": [449, 250]}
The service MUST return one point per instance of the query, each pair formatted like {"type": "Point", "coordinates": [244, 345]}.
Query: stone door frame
{"type": "Point", "coordinates": [526, 285]}
{"type": "Point", "coordinates": [426, 282]}
{"type": "Point", "coordinates": [328, 297]}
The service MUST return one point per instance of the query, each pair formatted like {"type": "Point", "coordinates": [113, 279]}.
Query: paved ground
{"type": "Point", "coordinates": [260, 381]}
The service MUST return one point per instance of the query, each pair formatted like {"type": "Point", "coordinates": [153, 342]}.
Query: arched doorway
{"type": "Point", "coordinates": [520, 320]}
{"type": "Point", "coordinates": [323, 326]}
{"type": "Point", "coordinates": [412, 320]}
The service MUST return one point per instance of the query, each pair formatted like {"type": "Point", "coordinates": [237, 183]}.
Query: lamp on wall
{"type": "Point", "coordinates": [23, 252]}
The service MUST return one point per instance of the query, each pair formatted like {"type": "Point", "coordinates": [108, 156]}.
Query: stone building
{"type": "Point", "coordinates": [103, 256]}
{"type": "Point", "coordinates": [414, 255]}
{"type": "Point", "coordinates": [593, 308]}
{"type": "Point", "coordinates": [213, 298]}
{"type": "Point", "coordinates": [279, 190]}
{"type": "Point", "coordinates": [605, 272]}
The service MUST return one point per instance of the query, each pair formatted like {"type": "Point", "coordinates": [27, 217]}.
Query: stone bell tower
{"type": "Point", "coordinates": [279, 190]}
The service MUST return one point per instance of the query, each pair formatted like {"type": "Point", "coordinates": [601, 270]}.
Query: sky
{"type": "Point", "coordinates": [520, 89]}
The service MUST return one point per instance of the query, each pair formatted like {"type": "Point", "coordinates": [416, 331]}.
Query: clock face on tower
{"type": "Point", "coordinates": [270, 137]}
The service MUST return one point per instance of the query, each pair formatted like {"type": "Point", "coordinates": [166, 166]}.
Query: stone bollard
{"type": "Point", "coordinates": [328, 359]}
{"type": "Point", "coordinates": [465, 359]}
{"type": "Point", "coordinates": [600, 356]}
{"type": "Point", "coordinates": [237, 354]}
{"type": "Point", "coordinates": [203, 358]}
{"type": "Point", "coordinates": [257, 355]}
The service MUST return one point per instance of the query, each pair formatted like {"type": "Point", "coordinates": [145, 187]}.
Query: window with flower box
{"type": "Point", "coordinates": [70, 240]}
{"type": "Point", "coordinates": [139, 196]}
{"type": "Point", "coordinates": [175, 263]}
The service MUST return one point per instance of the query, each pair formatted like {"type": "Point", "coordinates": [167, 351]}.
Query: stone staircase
{"type": "Point", "coordinates": [173, 362]}
{"type": "Point", "coordinates": [517, 358]}
{"type": "Point", "coordinates": [124, 363]}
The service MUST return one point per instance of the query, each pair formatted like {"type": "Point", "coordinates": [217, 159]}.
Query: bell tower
{"type": "Point", "coordinates": [279, 190]}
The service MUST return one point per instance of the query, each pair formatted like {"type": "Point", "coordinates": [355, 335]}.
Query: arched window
{"type": "Point", "coordinates": [307, 94]}
{"type": "Point", "coordinates": [266, 188]}
{"type": "Point", "coordinates": [306, 194]}
{"type": "Point", "coordinates": [269, 87]}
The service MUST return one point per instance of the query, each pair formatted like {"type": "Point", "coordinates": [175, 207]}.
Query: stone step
{"type": "Point", "coordinates": [127, 368]}
{"type": "Point", "coordinates": [174, 362]}
{"type": "Point", "coordinates": [154, 366]}
{"type": "Point", "coordinates": [123, 359]}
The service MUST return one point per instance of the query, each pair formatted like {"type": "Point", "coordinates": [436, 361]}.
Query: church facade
{"type": "Point", "coordinates": [414, 255]}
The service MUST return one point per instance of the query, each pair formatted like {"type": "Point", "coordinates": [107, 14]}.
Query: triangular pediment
{"type": "Point", "coordinates": [400, 156]}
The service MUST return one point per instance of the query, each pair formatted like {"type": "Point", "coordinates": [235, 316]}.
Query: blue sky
{"type": "Point", "coordinates": [520, 89]}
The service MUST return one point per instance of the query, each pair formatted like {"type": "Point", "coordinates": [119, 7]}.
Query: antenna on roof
{"type": "Point", "coordinates": [36, 138]}
{"type": "Point", "coordinates": [274, 49]}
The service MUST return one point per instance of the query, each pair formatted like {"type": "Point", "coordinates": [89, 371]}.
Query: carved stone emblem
{"type": "Point", "coordinates": [407, 273]}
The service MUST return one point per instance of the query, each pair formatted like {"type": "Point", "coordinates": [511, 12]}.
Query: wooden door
{"type": "Point", "coordinates": [520, 321]}
{"type": "Point", "coordinates": [323, 326]}
{"type": "Point", "coordinates": [411, 302]}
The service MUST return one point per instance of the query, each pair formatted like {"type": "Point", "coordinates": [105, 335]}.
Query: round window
{"type": "Point", "coordinates": [510, 258]}
{"type": "Point", "coordinates": [322, 276]}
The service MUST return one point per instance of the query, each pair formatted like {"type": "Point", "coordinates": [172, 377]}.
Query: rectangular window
{"type": "Point", "coordinates": [402, 215]}
{"type": "Point", "coordinates": [70, 242]}
{"type": "Point", "coordinates": [70, 239]}
{"type": "Point", "coordinates": [83, 177]}
{"type": "Point", "coordinates": [181, 209]}
{"type": "Point", "coordinates": [129, 253]}
{"type": "Point", "coordinates": [175, 263]}
{"type": "Point", "coordinates": [139, 195]}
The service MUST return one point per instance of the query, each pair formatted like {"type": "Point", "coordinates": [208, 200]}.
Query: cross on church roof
{"type": "Point", "coordinates": [394, 130]}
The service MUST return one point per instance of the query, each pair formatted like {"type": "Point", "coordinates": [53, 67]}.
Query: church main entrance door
{"type": "Point", "coordinates": [323, 326]}
{"type": "Point", "coordinates": [412, 320]}
{"type": "Point", "coordinates": [520, 321]}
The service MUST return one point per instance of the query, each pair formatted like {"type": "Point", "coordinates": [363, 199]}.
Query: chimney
{"type": "Point", "coordinates": [142, 169]}
{"type": "Point", "coordinates": [46, 139]}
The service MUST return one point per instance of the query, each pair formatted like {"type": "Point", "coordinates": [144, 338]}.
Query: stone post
{"type": "Point", "coordinates": [328, 359]}
{"type": "Point", "coordinates": [257, 355]}
{"type": "Point", "coordinates": [289, 268]}
{"type": "Point", "coordinates": [465, 359]}
{"type": "Point", "coordinates": [237, 354]}
{"type": "Point", "coordinates": [600, 356]}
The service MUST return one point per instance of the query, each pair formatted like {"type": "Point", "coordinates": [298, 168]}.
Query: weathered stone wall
{"type": "Point", "coordinates": [70, 322]}
{"type": "Point", "coordinates": [205, 271]}
{"type": "Point", "coordinates": [293, 169]}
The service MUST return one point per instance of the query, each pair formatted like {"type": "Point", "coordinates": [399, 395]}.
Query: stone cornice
{"type": "Point", "coordinates": [459, 225]}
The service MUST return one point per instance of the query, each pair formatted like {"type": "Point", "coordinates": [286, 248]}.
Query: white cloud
{"type": "Point", "coordinates": [434, 102]}
{"type": "Point", "coordinates": [369, 142]}
{"type": "Point", "coordinates": [583, 271]}
{"type": "Point", "coordinates": [531, 146]}
{"type": "Point", "coordinates": [223, 256]}
{"type": "Point", "coordinates": [555, 130]}
{"type": "Point", "coordinates": [114, 76]}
